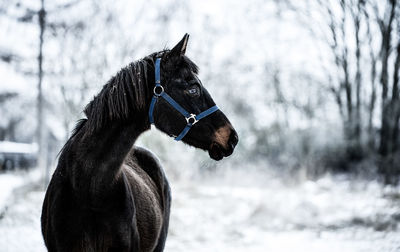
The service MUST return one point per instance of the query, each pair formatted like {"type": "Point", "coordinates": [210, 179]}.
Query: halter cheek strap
{"type": "Point", "coordinates": [158, 92]}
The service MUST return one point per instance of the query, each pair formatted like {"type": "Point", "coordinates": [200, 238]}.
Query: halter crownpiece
{"type": "Point", "coordinates": [158, 91]}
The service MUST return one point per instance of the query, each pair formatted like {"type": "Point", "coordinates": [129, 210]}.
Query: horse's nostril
{"type": "Point", "coordinates": [233, 139]}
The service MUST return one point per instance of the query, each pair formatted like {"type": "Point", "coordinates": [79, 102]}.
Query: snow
{"type": "Point", "coordinates": [211, 214]}
{"type": "Point", "coordinates": [8, 183]}
{"type": "Point", "coordinates": [20, 208]}
{"type": "Point", "coordinates": [11, 81]}
{"type": "Point", "coordinates": [20, 226]}
{"type": "Point", "coordinates": [13, 147]}
{"type": "Point", "coordinates": [12, 181]}
{"type": "Point", "coordinates": [326, 215]}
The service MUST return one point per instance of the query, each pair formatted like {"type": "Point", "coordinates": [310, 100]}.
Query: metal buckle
{"type": "Point", "coordinates": [193, 117]}
{"type": "Point", "coordinates": [155, 92]}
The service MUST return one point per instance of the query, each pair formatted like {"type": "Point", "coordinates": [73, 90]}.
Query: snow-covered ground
{"type": "Point", "coordinates": [8, 183]}
{"type": "Point", "coordinates": [11, 181]}
{"type": "Point", "coordinates": [327, 215]}
{"type": "Point", "coordinates": [330, 214]}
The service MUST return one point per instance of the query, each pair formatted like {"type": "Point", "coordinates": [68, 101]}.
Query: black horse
{"type": "Point", "coordinates": [108, 195]}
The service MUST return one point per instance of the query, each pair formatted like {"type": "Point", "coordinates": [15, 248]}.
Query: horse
{"type": "Point", "coordinates": [107, 194]}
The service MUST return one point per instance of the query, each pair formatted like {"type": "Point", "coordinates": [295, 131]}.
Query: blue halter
{"type": "Point", "coordinates": [191, 119]}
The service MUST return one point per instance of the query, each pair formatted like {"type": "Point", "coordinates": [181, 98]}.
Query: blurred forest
{"type": "Point", "coordinates": [311, 86]}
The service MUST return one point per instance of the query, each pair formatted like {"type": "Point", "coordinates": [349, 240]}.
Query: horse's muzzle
{"type": "Point", "coordinates": [224, 142]}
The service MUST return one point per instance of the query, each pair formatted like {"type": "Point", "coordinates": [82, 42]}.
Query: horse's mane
{"type": "Point", "coordinates": [125, 93]}
{"type": "Point", "coordinates": [121, 96]}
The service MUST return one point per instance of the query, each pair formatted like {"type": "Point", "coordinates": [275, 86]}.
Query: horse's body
{"type": "Point", "coordinates": [140, 204]}
{"type": "Point", "coordinates": [108, 195]}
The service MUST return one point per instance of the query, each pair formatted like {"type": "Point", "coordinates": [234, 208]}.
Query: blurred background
{"type": "Point", "coordinates": [311, 86]}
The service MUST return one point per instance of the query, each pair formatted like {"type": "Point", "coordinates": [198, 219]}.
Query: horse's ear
{"type": "Point", "coordinates": [180, 48]}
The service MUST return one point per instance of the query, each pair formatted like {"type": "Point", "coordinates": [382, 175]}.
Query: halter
{"type": "Point", "coordinates": [191, 119]}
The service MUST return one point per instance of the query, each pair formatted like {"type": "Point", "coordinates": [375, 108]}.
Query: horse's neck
{"type": "Point", "coordinates": [97, 156]}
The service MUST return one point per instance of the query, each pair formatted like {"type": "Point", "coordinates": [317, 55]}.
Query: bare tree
{"type": "Point", "coordinates": [386, 29]}
{"type": "Point", "coordinates": [355, 21]}
{"type": "Point", "coordinates": [371, 103]}
{"type": "Point", "coordinates": [40, 132]}
{"type": "Point", "coordinates": [346, 86]}
{"type": "Point", "coordinates": [356, 14]}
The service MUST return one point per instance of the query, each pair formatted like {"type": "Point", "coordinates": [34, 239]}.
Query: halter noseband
{"type": "Point", "coordinates": [158, 91]}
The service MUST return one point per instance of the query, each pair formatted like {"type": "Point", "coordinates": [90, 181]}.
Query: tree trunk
{"type": "Point", "coordinates": [384, 141]}
{"type": "Point", "coordinates": [386, 32]}
{"type": "Point", "coordinates": [395, 103]}
{"type": "Point", "coordinates": [42, 159]}
{"type": "Point", "coordinates": [388, 167]}
{"type": "Point", "coordinates": [357, 119]}
{"type": "Point", "coordinates": [372, 100]}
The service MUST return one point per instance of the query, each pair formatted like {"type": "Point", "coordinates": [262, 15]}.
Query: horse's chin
{"type": "Point", "coordinates": [217, 152]}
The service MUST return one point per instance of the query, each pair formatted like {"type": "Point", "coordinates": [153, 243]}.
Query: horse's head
{"type": "Point", "coordinates": [179, 80]}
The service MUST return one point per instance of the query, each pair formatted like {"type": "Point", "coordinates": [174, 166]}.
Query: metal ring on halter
{"type": "Point", "coordinates": [193, 121]}
{"type": "Point", "coordinates": [155, 90]}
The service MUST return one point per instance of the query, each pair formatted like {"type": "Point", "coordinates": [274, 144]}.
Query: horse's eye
{"type": "Point", "coordinates": [193, 90]}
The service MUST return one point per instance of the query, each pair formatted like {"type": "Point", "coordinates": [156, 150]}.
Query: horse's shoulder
{"type": "Point", "coordinates": [150, 163]}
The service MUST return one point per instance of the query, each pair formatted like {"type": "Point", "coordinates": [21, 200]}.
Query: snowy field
{"type": "Point", "coordinates": [330, 214]}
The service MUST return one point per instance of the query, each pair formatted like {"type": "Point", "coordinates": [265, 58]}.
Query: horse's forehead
{"type": "Point", "coordinates": [185, 73]}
